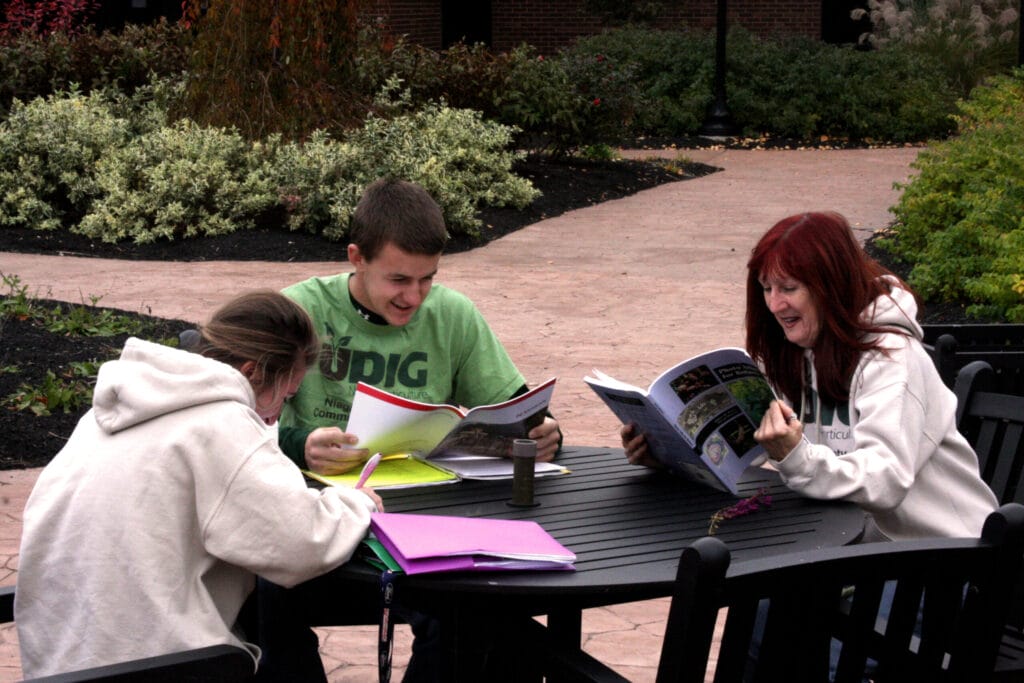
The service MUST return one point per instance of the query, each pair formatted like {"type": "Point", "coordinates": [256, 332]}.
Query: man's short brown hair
{"type": "Point", "coordinates": [400, 212]}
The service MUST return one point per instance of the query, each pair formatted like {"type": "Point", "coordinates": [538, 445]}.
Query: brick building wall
{"type": "Point", "coordinates": [418, 20]}
{"type": "Point", "coordinates": [763, 17]}
{"type": "Point", "coordinates": [551, 24]}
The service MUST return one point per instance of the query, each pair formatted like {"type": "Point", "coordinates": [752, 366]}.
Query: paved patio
{"type": "Point", "coordinates": [630, 287]}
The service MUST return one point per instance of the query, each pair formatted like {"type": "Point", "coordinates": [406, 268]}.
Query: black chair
{"type": "Point", "coordinates": [956, 587]}
{"type": "Point", "coordinates": [214, 664]}
{"type": "Point", "coordinates": [1000, 345]}
{"type": "Point", "coordinates": [993, 423]}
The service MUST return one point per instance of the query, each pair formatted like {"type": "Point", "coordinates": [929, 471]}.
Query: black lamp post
{"type": "Point", "coordinates": [718, 122]}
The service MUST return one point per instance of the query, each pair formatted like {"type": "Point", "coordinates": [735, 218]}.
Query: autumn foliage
{"type": "Point", "coordinates": [43, 17]}
{"type": "Point", "coordinates": [274, 66]}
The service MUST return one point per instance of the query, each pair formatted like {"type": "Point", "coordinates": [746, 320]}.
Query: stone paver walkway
{"type": "Point", "coordinates": [630, 287]}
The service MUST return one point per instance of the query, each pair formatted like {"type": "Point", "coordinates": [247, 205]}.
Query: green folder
{"type": "Point", "coordinates": [393, 472]}
{"type": "Point", "coordinates": [374, 553]}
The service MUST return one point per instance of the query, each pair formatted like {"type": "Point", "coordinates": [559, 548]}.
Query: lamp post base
{"type": "Point", "coordinates": [718, 123]}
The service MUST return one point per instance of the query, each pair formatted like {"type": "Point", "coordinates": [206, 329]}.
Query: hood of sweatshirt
{"type": "Point", "coordinates": [896, 309]}
{"type": "Point", "coordinates": [150, 380]}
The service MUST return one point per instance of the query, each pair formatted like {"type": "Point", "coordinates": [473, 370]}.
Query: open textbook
{"type": "Point", "coordinates": [426, 443]}
{"type": "Point", "coordinates": [699, 416]}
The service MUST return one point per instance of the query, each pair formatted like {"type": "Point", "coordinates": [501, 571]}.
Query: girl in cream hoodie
{"type": "Point", "coordinates": [144, 535]}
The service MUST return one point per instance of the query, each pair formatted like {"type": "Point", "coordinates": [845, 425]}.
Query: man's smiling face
{"type": "Point", "coordinates": [394, 284]}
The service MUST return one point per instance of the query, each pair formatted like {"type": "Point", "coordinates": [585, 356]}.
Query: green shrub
{"type": "Point", "coordinates": [608, 97]}
{"type": "Point", "coordinates": [672, 70]}
{"type": "Point", "coordinates": [177, 182]}
{"type": "Point", "coordinates": [75, 162]}
{"type": "Point", "coordinates": [806, 89]}
{"type": "Point", "coordinates": [796, 87]}
{"type": "Point", "coordinates": [541, 101]}
{"type": "Point", "coordinates": [48, 151]}
{"type": "Point", "coordinates": [38, 66]}
{"type": "Point", "coordinates": [960, 221]}
{"type": "Point", "coordinates": [462, 160]}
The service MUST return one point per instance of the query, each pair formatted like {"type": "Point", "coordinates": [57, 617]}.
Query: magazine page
{"type": "Point", "coordinates": [633, 405]}
{"type": "Point", "coordinates": [490, 430]}
{"type": "Point", "coordinates": [699, 416]}
{"type": "Point", "coordinates": [716, 401]}
{"type": "Point", "coordinates": [386, 423]}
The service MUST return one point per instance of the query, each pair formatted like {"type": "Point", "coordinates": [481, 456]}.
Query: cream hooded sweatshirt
{"type": "Point", "coordinates": [145, 533]}
{"type": "Point", "coordinates": [894, 449]}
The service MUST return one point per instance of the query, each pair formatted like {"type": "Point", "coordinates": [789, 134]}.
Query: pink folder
{"type": "Point", "coordinates": [434, 543]}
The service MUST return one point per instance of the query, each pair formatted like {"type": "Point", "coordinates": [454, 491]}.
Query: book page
{"type": "Point", "coordinates": [490, 430]}
{"type": "Point", "coordinates": [485, 467]}
{"type": "Point", "coordinates": [606, 380]}
{"type": "Point", "coordinates": [389, 424]}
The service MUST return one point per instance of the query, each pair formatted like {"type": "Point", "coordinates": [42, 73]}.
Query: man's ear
{"type": "Point", "coordinates": [355, 257]}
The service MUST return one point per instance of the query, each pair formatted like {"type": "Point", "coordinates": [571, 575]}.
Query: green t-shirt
{"type": "Point", "coordinates": [446, 354]}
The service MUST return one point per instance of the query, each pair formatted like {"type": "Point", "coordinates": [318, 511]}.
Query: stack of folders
{"type": "Point", "coordinates": [435, 543]}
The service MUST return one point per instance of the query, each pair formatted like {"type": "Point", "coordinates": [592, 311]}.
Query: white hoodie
{"type": "Point", "coordinates": [144, 534]}
{"type": "Point", "coordinates": [898, 453]}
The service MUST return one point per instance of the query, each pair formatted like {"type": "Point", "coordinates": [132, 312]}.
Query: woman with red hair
{"type": "Point", "coordinates": [865, 416]}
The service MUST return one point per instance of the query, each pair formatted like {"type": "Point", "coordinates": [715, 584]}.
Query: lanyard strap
{"type": "Point", "coordinates": [386, 628]}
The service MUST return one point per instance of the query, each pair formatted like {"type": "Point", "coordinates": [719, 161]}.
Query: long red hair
{"type": "Point", "coordinates": [820, 250]}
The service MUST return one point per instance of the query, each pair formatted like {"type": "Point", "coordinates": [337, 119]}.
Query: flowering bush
{"type": "Point", "coordinates": [611, 90]}
{"type": "Point", "coordinates": [971, 39]}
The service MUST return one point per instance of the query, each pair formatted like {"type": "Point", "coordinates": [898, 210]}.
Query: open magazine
{"type": "Point", "coordinates": [699, 416]}
{"type": "Point", "coordinates": [434, 440]}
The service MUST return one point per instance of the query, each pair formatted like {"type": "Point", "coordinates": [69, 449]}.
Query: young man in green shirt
{"type": "Point", "coordinates": [389, 325]}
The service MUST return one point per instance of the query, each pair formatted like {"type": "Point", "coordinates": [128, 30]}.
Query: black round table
{"type": "Point", "coordinates": [627, 526]}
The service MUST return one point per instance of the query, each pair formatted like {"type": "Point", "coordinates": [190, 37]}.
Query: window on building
{"type": "Point", "coordinates": [466, 20]}
{"type": "Point", "coordinates": [836, 25]}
